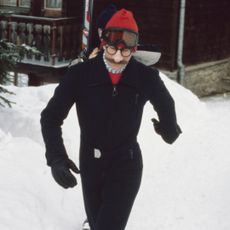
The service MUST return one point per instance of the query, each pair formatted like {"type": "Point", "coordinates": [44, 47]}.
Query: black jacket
{"type": "Point", "coordinates": [109, 116]}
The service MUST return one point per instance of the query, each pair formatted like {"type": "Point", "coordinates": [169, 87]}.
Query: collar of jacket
{"type": "Point", "coordinates": [129, 75]}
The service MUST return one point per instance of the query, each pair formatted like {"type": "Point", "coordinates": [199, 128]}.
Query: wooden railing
{"type": "Point", "coordinates": [57, 38]}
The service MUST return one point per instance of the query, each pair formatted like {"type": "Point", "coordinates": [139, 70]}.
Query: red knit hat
{"type": "Point", "coordinates": [123, 19]}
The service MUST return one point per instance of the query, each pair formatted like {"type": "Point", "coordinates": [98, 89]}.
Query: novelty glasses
{"type": "Point", "coordinates": [116, 36]}
{"type": "Point", "coordinates": [125, 52]}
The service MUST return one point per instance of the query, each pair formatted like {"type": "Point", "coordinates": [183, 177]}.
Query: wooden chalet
{"type": "Point", "coordinates": [50, 27]}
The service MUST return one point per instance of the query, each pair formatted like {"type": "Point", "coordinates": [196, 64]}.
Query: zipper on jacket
{"type": "Point", "coordinates": [115, 93]}
{"type": "Point", "coordinates": [136, 99]}
{"type": "Point", "coordinates": [131, 154]}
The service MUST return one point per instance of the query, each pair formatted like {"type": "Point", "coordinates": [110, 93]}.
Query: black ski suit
{"type": "Point", "coordinates": [109, 118]}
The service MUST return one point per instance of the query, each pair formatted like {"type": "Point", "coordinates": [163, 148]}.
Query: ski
{"type": "Point", "coordinates": [87, 25]}
{"type": "Point", "coordinates": [86, 41]}
{"type": "Point", "coordinates": [147, 54]}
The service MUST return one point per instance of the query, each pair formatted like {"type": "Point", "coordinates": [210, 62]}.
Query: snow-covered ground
{"type": "Point", "coordinates": [185, 185]}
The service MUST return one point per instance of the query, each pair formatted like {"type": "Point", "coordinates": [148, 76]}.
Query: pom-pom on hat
{"type": "Point", "coordinates": [105, 16]}
{"type": "Point", "coordinates": [122, 19]}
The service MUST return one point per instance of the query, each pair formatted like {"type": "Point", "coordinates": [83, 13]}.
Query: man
{"type": "Point", "coordinates": [110, 92]}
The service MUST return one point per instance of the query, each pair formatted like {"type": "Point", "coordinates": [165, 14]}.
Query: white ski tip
{"type": "Point", "coordinates": [147, 57]}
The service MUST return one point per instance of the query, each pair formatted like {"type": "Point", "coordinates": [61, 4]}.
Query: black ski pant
{"type": "Point", "coordinates": [110, 183]}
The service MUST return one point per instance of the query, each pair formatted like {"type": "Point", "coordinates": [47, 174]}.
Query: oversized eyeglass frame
{"type": "Point", "coordinates": [125, 52]}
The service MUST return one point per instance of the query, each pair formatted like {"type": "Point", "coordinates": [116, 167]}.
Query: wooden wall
{"type": "Point", "coordinates": [73, 8]}
{"type": "Point", "coordinates": [207, 33]}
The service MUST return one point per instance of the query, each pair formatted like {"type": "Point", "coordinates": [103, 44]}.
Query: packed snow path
{"type": "Point", "coordinates": [185, 186]}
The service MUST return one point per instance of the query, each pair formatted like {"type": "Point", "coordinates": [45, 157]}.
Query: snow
{"type": "Point", "coordinates": [185, 185]}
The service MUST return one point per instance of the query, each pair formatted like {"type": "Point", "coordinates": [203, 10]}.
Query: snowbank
{"type": "Point", "coordinates": [185, 185]}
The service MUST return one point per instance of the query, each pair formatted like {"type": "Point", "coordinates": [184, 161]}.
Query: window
{"type": "Point", "coordinates": [8, 2]}
{"type": "Point", "coordinates": [53, 4]}
{"type": "Point", "coordinates": [24, 3]}
{"type": "Point", "coordinates": [53, 8]}
{"type": "Point", "coordinates": [20, 3]}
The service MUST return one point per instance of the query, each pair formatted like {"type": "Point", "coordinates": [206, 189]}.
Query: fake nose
{"type": "Point", "coordinates": [117, 57]}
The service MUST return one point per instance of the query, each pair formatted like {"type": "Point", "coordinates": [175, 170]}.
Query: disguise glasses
{"type": "Point", "coordinates": [116, 36]}
{"type": "Point", "coordinates": [125, 52]}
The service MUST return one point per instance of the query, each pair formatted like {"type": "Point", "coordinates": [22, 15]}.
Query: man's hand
{"type": "Point", "coordinates": [62, 174]}
{"type": "Point", "coordinates": [169, 136]}
{"type": "Point", "coordinates": [94, 53]}
{"type": "Point", "coordinates": [156, 125]}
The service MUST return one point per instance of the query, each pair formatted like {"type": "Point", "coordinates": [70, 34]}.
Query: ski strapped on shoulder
{"type": "Point", "coordinates": [86, 40]}
{"type": "Point", "coordinates": [87, 25]}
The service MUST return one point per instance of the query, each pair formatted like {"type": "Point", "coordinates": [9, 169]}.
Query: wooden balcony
{"type": "Point", "coordinates": [58, 39]}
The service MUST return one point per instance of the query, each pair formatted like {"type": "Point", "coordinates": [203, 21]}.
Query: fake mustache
{"type": "Point", "coordinates": [123, 62]}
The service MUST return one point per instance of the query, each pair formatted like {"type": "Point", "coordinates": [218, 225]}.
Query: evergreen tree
{"type": "Point", "coordinates": [10, 54]}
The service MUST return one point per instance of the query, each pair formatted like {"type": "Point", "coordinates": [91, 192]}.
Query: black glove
{"type": "Point", "coordinates": [169, 136]}
{"type": "Point", "coordinates": [62, 175]}
{"type": "Point", "coordinates": [156, 125]}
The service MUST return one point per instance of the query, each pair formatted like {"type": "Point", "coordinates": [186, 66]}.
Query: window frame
{"type": "Point", "coordinates": [52, 9]}
{"type": "Point", "coordinates": [17, 4]}
{"type": "Point", "coordinates": [7, 4]}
